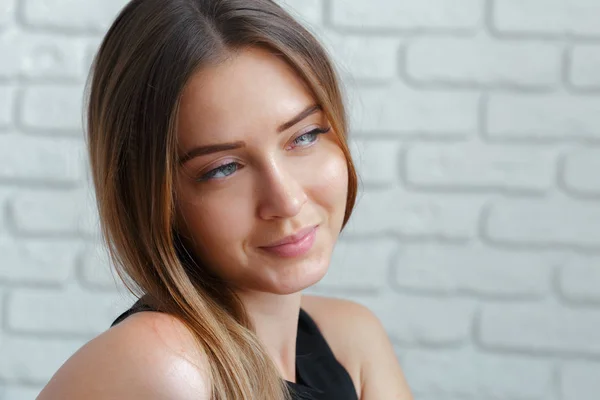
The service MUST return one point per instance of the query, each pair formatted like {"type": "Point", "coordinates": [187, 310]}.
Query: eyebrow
{"type": "Point", "coordinates": [313, 108]}
{"type": "Point", "coordinates": [215, 148]}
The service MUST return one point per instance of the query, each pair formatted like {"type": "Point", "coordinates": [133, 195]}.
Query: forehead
{"type": "Point", "coordinates": [253, 90]}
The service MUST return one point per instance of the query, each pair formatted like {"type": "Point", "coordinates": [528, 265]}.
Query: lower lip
{"type": "Point", "coordinates": [295, 249]}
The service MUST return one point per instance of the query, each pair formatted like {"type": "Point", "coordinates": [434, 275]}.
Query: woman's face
{"type": "Point", "coordinates": [250, 178]}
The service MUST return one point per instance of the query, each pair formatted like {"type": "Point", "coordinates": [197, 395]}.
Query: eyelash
{"type": "Point", "coordinates": [316, 132]}
{"type": "Point", "coordinates": [210, 174]}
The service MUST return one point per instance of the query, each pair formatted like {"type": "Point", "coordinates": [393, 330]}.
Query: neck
{"type": "Point", "coordinates": [275, 321]}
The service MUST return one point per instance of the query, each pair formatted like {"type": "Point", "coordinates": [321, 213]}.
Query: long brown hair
{"type": "Point", "coordinates": [133, 96]}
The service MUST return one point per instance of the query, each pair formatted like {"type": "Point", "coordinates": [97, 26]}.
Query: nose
{"type": "Point", "coordinates": [281, 194]}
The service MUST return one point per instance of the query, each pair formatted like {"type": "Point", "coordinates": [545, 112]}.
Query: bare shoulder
{"type": "Point", "coordinates": [367, 353]}
{"type": "Point", "coordinates": [149, 355]}
{"type": "Point", "coordinates": [348, 316]}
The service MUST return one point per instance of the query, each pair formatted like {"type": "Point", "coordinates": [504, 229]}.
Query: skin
{"type": "Point", "coordinates": [281, 182]}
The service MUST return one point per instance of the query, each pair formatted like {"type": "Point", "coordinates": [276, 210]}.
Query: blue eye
{"type": "Point", "coordinates": [220, 172]}
{"type": "Point", "coordinates": [310, 137]}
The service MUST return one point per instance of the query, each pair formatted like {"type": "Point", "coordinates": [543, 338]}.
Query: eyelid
{"type": "Point", "coordinates": [220, 163]}
{"type": "Point", "coordinates": [313, 128]}
{"type": "Point", "coordinates": [317, 130]}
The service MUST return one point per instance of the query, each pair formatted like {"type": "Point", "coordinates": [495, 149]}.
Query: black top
{"type": "Point", "coordinates": [319, 375]}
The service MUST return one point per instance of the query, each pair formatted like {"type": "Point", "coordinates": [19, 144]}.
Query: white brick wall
{"type": "Point", "coordinates": [585, 64]}
{"type": "Point", "coordinates": [453, 374]}
{"type": "Point", "coordinates": [580, 172]}
{"type": "Point", "coordinates": [579, 279]}
{"type": "Point", "coordinates": [406, 15]}
{"type": "Point", "coordinates": [579, 381]}
{"type": "Point", "coordinates": [542, 117]}
{"type": "Point", "coordinates": [547, 17]}
{"type": "Point", "coordinates": [481, 60]}
{"type": "Point", "coordinates": [476, 166]}
{"type": "Point", "coordinates": [476, 237]}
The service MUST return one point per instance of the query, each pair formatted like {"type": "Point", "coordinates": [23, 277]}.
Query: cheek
{"type": "Point", "coordinates": [215, 221]}
{"type": "Point", "coordinates": [330, 185]}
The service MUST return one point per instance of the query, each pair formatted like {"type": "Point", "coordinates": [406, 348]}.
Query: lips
{"type": "Point", "coordinates": [296, 237]}
{"type": "Point", "coordinates": [296, 245]}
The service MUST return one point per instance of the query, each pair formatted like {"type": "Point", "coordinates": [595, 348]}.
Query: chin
{"type": "Point", "coordinates": [301, 275]}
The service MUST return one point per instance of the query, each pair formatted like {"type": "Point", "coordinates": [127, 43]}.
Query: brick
{"type": "Point", "coordinates": [408, 15]}
{"type": "Point", "coordinates": [371, 57]}
{"type": "Point", "coordinates": [399, 110]}
{"type": "Point", "coordinates": [554, 17]}
{"type": "Point", "coordinates": [7, 13]}
{"type": "Point", "coordinates": [37, 261]}
{"type": "Point", "coordinates": [5, 195]}
{"type": "Point", "coordinates": [580, 381]}
{"type": "Point", "coordinates": [477, 270]}
{"type": "Point", "coordinates": [376, 161]}
{"type": "Point", "coordinates": [476, 166]}
{"type": "Point", "coordinates": [307, 11]}
{"type": "Point", "coordinates": [73, 212]}
{"type": "Point", "coordinates": [41, 56]}
{"type": "Point", "coordinates": [359, 265]}
{"type": "Point", "coordinates": [580, 173]}
{"type": "Point", "coordinates": [585, 64]}
{"type": "Point", "coordinates": [539, 328]}
{"type": "Point", "coordinates": [49, 108]}
{"type": "Point", "coordinates": [96, 269]}
{"type": "Point", "coordinates": [33, 360]}
{"type": "Point", "coordinates": [394, 211]}
{"type": "Point", "coordinates": [7, 105]}
{"type": "Point", "coordinates": [485, 61]}
{"type": "Point", "coordinates": [467, 374]}
{"type": "Point", "coordinates": [48, 160]}
{"type": "Point", "coordinates": [544, 223]}
{"type": "Point", "coordinates": [537, 116]}
{"type": "Point", "coordinates": [66, 312]}
{"type": "Point", "coordinates": [439, 322]}
{"type": "Point", "coordinates": [579, 279]}
{"type": "Point", "coordinates": [19, 392]}
{"type": "Point", "coordinates": [72, 15]}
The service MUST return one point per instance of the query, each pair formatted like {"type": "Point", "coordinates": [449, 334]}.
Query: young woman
{"type": "Point", "coordinates": [217, 142]}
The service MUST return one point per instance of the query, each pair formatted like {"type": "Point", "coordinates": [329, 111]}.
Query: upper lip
{"type": "Point", "coordinates": [293, 238]}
